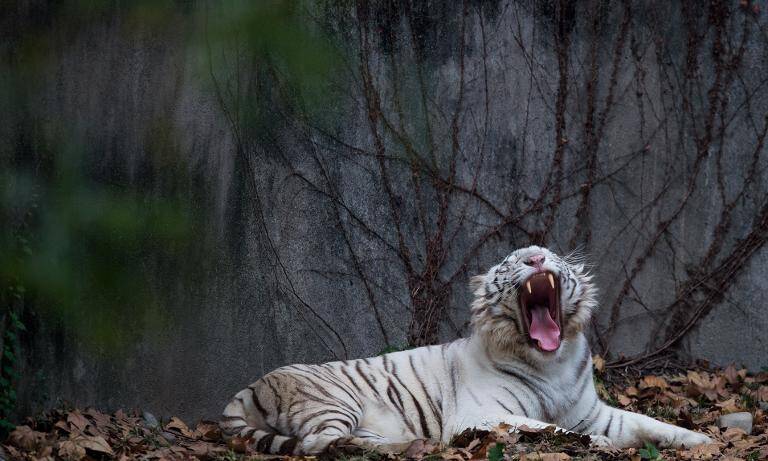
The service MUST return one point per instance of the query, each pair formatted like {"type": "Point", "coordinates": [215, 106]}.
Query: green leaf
{"type": "Point", "coordinates": [649, 452]}
{"type": "Point", "coordinates": [496, 452]}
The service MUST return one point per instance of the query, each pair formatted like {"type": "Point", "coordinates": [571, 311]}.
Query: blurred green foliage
{"type": "Point", "coordinates": [268, 53]}
{"type": "Point", "coordinates": [79, 244]}
{"type": "Point", "coordinates": [278, 29]}
{"type": "Point", "coordinates": [82, 250]}
{"type": "Point", "coordinates": [92, 250]}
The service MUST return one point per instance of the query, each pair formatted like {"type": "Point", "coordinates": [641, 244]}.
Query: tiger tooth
{"type": "Point", "coordinates": [551, 280]}
{"type": "Point", "coordinates": [528, 284]}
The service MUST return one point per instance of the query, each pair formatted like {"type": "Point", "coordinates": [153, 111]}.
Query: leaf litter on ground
{"type": "Point", "coordinates": [692, 398]}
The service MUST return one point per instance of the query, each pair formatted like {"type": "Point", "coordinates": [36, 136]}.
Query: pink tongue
{"type": "Point", "coordinates": [544, 329]}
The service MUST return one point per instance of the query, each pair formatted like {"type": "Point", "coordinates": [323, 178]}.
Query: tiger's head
{"type": "Point", "coordinates": [532, 302]}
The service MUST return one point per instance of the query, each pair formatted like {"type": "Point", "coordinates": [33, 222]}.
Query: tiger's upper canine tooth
{"type": "Point", "coordinates": [551, 280]}
{"type": "Point", "coordinates": [528, 284]}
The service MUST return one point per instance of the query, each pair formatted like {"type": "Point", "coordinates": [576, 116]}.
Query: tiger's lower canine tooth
{"type": "Point", "coordinates": [528, 284]}
{"type": "Point", "coordinates": [551, 280]}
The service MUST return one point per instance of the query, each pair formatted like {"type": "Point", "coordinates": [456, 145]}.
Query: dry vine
{"type": "Point", "coordinates": [430, 142]}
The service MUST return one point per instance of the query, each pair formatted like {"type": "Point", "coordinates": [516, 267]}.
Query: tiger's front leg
{"type": "Point", "coordinates": [627, 429]}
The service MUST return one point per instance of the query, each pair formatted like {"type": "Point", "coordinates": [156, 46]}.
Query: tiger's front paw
{"type": "Point", "coordinates": [692, 439]}
{"type": "Point", "coordinates": [600, 441]}
{"type": "Point", "coordinates": [683, 438]}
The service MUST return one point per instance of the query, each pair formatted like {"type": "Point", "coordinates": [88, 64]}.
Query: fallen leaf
{"type": "Point", "coordinates": [77, 421]}
{"type": "Point", "coordinates": [651, 381]}
{"type": "Point", "coordinates": [238, 444]}
{"type": "Point", "coordinates": [70, 450]}
{"type": "Point", "coordinates": [733, 433]}
{"type": "Point", "coordinates": [160, 454]}
{"type": "Point", "coordinates": [208, 430]}
{"type": "Point", "coordinates": [482, 450]}
{"type": "Point", "coordinates": [700, 384]}
{"type": "Point", "coordinates": [720, 383]}
{"type": "Point", "coordinates": [473, 444]}
{"type": "Point", "coordinates": [469, 437]}
{"type": "Point", "coordinates": [24, 437]}
{"type": "Point", "coordinates": [744, 444]}
{"type": "Point", "coordinates": [177, 425]}
{"type": "Point", "coordinates": [732, 375]}
{"type": "Point", "coordinates": [602, 391]}
{"type": "Point", "coordinates": [729, 406]}
{"type": "Point", "coordinates": [93, 442]}
{"type": "Point", "coordinates": [554, 457]}
{"type": "Point", "coordinates": [12, 452]}
{"type": "Point", "coordinates": [61, 424]}
{"type": "Point", "coordinates": [100, 419]}
{"type": "Point", "coordinates": [598, 362]}
{"type": "Point", "coordinates": [502, 428]}
{"type": "Point", "coordinates": [199, 449]}
{"type": "Point", "coordinates": [420, 448]}
{"type": "Point", "coordinates": [455, 455]}
{"type": "Point", "coordinates": [706, 451]}
{"type": "Point", "coordinates": [624, 400]}
{"type": "Point", "coordinates": [523, 428]}
{"type": "Point", "coordinates": [178, 449]}
{"type": "Point", "coordinates": [45, 453]}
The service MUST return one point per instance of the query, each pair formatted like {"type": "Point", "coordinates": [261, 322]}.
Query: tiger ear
{"type": "Point", "coordinates": [477, 285]}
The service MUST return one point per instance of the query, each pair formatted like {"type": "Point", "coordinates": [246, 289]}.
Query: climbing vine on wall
{"type": "Point", "coordinates": [583, 68]}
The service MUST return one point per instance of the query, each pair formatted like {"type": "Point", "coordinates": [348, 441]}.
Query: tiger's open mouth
{"type": "Point", "coordinates": [540, 307]}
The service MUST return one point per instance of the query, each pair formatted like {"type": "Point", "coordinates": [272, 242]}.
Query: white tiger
{"type": "Point", "coordinates": [527, 362]}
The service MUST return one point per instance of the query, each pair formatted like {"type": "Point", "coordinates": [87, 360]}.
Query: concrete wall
{"type": "Point", "coordinates": [492, 123]}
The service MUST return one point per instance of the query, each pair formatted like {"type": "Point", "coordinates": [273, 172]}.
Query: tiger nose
{"type": "Point", "coordinates": [534, 260]}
